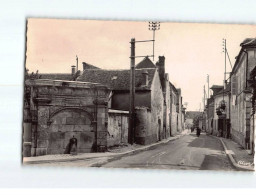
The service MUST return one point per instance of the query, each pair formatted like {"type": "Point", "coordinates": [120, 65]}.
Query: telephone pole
{"type": "Point", "coordinates": [154, 26]}
{"type": "Point", "coordinates": [76, 63]}
{"type": "Point", "coordinates": [131, 131]}
{"type": "Point", "coordinates": [225, 51]}
{"type": "Point", "coordinates": [132, 94]}
{"type": "Point", "coordinates": [204, 98]}
{"type": "Point", "coordinates": [208, 81]}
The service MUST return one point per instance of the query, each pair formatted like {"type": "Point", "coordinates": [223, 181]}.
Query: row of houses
{"type": "Point", "coordinates": [230, 111]}
{"type": "Point", "coordinates": [92, 105]}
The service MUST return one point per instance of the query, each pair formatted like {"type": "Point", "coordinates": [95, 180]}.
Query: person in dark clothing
{"type": "Point", "coordinates": [198, 131]}
{"type": "Point", "coordinates": [73, 145]}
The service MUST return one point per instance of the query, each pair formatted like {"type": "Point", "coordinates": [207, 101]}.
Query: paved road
{"type": "Point", "coordinates": [188, 152]}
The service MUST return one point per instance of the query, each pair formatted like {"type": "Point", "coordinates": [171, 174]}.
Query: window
{"type": "Point", "coordinates": [234, 85]}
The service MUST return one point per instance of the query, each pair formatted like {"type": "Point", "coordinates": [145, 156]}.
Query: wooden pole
{"type": "Point", "coordinates": [132, 94]}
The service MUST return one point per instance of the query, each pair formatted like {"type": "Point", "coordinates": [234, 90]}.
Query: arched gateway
{"type": "Point", "coordinates": [54, 113]}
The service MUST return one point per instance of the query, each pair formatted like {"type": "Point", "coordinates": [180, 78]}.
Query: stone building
{"type": "Point", "coordinates": [221, 114]}
{"type": "Point", "coordinates": [148, 97]}
{"type": "Point", "coordinates": [173, 115]}
{"type": "Point", "coordinates": [173, 111]}
{"type": "Point", "coordinates": [210, 115]}
{"type": "Point", "coordinates": [252, 85]}
{"type": "Point", "coordinates": [241, 104]}
{"type": "Point", "coordinates": [57, 110]}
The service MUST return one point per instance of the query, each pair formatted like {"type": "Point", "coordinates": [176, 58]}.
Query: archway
{"type": "Point", "coordinates": [66, 123]}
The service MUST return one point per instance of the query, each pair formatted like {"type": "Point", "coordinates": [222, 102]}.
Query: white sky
{"type": "Point", "coordinates": [191, 50]}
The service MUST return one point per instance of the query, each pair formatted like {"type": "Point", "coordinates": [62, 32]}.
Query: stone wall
{"type": "Point", "coordinates": [62, 109]}
{"type": "Point", "coordinates": [157, 107]}
{"type": "Point", "coordinates": [240, 103]}
{"type": "Point", "coordinates": [144, 133]}
{"type": "Point", "coordinates": [117, 127]}
{"type": "Point", "coordinates": [173, 114]}
{"type": "Point", "coordinates": [167, 112]}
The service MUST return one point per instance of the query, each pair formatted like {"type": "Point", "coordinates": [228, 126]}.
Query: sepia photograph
{"type": "Point", "coordinates": [139, 95]}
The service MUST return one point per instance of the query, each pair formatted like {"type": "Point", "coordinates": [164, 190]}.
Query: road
{"type": "Point", "coordinates": [186, 153]}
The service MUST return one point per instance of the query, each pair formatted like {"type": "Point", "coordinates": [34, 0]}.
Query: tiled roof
{"type": "Point", "coordinates": [249, 42]}
{"type": "Point", "coordinates": [145, 63]}
{"type": "Point", "coordinates": [216, 86]}
{"type": "Point", "coordinates": [56, 76]}
{"type": "Point", "coordinates": [228, 89]}
{"type": "Point", "coordinates": [89, 66]}
{"type": "Point", "coordinates": [117, 79]}
{"type": "Point", "coordinates": [173, 87]}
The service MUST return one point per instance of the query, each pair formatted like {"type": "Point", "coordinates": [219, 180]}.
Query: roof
{"type": "Point", "coordinates": [226, 90]}
{"type": "Point", "coordinates": [145, 63]}
{"type": "Point", "coordinates": [192, 114]}
{"type": "Point", "coordinates": [89, 66]}
{"type": "Point", "coordinates": [117, 79]}
{"type": "Point", "coordinates": [56, 76]}
{"type": "Point", "coordinates": [216, 86]}
{"type": "Point", "coordinates": [249, 42]}
{"type": "Point", "coordinates": [173, 87]}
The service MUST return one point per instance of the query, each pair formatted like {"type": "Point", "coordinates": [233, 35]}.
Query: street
{"type": "Point", "coordinates": [187, 152]}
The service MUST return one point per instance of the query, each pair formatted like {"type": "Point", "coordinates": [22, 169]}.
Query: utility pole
{"type": "Point", "coordinates": [154, 26]}
{"type": "Point", "coordinates": [204, 96]}
{"type": "Point", "coordinates": [225, 51]}
{"type": "Point", "coordinates": [131, 131]}
{"type": "Point", "coordinates": [208, 81]}
{"type": "Point", "coordinates": [132, 94]}
{"type": "Point", "coordinates": [76, 63]}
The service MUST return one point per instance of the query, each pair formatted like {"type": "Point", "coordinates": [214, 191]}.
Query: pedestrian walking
{"type": "Point", "coordinates": [198, 131]}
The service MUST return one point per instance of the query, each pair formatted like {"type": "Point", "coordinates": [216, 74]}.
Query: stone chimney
{"type": "Point", "coordinates": [73, 69]}
{"type": "Point", "coordinates": [144, 77]}
{"type": "Point", "coordinates": [161, 69]}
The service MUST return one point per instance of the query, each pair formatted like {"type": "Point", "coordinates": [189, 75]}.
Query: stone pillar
{"type": "Point", "coordinates": [27, 139]}
{"type": "Point", "coordinates": [101, 127]}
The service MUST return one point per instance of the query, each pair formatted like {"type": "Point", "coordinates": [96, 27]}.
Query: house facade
{"type": "Point", "coordinates": [148, 97]}
{"type": "Point", "coordinates": [241, 104]}
{"type": "Point", "coordinates": [210, 111]}
{"type": "Point", "coordinates": [221, 114]}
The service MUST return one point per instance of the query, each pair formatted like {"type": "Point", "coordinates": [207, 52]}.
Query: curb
{"type": "Point", "coordinates": [231, 159]}
{"type": "Point", "coordinates": [112, 156]}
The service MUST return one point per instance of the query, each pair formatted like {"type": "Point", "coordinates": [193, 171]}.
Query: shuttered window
{"type": "Point", "coordinates": [234, 85]}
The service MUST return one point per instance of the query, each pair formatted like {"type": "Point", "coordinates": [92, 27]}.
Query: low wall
{"type": "Point", "coordinates": [117, 127]}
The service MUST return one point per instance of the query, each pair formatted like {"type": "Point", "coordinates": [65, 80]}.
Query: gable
{"type": "Point", "coordinates": [145, 63]}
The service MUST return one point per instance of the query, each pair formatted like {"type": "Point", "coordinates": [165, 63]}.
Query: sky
{"type": "Point", "coordinates": [191, 50]}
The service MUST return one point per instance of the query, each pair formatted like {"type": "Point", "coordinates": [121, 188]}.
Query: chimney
{"type": "Point", "coordinates": [73, 69]}
{"type": "Point", "coordinates": [161, 69]}
{"type": "Point", "coordinates": [145, 77]}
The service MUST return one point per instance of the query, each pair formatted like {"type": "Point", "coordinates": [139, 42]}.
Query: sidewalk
{"type": "Point", "coordinates": [97, 157]}
{"type": "Point", "coordinates": [240, 157]}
